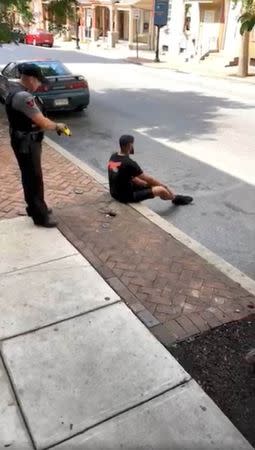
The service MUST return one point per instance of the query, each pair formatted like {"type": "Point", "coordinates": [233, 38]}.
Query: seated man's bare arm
{"type": "Point", "coordinates": [152, 182]}
{"type": "Point", "coordinates": [138, 182]}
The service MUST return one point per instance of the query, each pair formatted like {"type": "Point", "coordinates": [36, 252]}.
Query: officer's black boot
{"type": "Point", "coordinates": [48, 222]}
{"type": "Point", "coordinates": [30, 214]}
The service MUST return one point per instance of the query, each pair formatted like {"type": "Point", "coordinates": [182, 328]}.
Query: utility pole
{"type": "Point", "coordinates": [157, 45]}
{"type": "Point", "coordinates": [77, 22]}
{"type": "Point", "coordinates": [136, 15]}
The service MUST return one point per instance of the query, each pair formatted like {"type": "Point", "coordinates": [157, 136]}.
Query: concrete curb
{"type": "Point", "coordinates": [223, 266]}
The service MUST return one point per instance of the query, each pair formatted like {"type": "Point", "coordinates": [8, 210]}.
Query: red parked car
{"type": "Point", "coordinates": [39, 37]}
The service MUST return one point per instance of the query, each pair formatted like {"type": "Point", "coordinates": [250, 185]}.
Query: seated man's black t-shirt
{"type": "Point", "coordinates": [121, 170]}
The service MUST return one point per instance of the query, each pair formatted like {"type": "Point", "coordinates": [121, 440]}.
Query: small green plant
{"type": "Point", "coordinates": [5, 33]}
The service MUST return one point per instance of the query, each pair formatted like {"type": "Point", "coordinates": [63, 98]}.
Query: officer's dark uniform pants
{"type": "Point", "coordinates": [32, 179]}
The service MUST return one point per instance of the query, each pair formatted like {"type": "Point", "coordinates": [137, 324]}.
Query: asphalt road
{"type": "Point", "coordinates": [196, 134]}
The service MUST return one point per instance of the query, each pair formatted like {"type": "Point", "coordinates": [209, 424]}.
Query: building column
{"type": "Point", "coordinates": [151, 32]}
{"type": "Point", "coordinates": [141, 22]}
{"type": "Point", "coordinates": [222, 25]}
{"type": "Point", "coordinates": [130, 29]}
{"type": "Point", "coordinates": [228, 5]}
{"type": "Point", "coordinates": [176, 28]}
{"type": "Point", "coordinates": [195, 20]}
{"type": "Point", "coordinates": [37, 10]}
{"type": "Point", "coordinates": [232, 35]}
{"type": "Point", "coordinates": [103, 20]}
{"type": "Point", "coordinates": [68, 30]}
{"type": "Point", "coordinates": [112, 34]}
{"type": "Point", "coordinates": [82, 24]}
{"type": "Point", "coordinates": [94, 32]}
{"type": "Point", "coordinates": [194, 28]}
{"type": "Point", "coordinates": [116, 21]}
{"type": "Point", "coordinates": [111, 18]}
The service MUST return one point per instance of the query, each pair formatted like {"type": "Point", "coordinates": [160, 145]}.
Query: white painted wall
{"type": "Point", "coordinates": [176, 27]}
{"type": "Point", "coordinates": [232, 37]}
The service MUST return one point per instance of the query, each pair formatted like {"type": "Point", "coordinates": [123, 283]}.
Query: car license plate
{"type": "Point", "coordinates": [61, 102]}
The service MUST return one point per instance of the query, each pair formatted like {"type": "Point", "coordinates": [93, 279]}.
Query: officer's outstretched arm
{"type": "Point", "coordinates": [46, 124]}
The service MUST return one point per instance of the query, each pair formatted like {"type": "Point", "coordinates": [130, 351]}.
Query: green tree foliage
{"type": "Point", "coordinates": [8, 9]}
{"type": "Point", "coordinates": [247, 18]}
{"type": "Point", "coordinates": [61, 9]}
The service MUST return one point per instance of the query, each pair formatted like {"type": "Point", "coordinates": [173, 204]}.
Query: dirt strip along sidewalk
{"type": "Point", "coordinates": [171, 289]}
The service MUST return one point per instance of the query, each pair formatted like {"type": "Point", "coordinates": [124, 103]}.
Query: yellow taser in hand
{"type": "Point", "coordinates": [66, 131]}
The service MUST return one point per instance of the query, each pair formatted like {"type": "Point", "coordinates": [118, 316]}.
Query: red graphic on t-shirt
{"type": "Point", "coordinates": [112, 165]}
{"type": "Point", "coordinates": [30, 103]}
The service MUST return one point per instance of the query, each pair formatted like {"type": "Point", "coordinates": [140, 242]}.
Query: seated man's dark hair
{"type": "Point", "coordinates": [126, 139]}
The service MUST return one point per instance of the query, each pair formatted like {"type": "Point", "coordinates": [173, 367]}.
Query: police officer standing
{"type": "Point", "coordinates": [27, 124]}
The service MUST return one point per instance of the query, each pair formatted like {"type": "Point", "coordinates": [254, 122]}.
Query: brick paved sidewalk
{"type": "Point", "coordinates": [171, 289]}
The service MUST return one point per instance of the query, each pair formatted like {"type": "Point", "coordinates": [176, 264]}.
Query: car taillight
{"type": "Point", "coordinates": [42, 88]}
{"type": "Point", "coordinates": [78, 85]}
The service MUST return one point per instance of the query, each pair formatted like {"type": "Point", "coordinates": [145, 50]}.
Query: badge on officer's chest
{"type": "Point", "coordinates": [30, 103]}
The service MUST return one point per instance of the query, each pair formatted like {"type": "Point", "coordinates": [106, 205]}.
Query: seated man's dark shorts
{"type": "Point", "coordinates": [140, 194]}
{"type": "Point", "coordinates": [137, 194]}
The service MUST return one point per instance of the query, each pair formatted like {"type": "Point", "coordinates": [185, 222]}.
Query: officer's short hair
{"type": "Point", "coordinates": [126, 139]}
{"type": "Point", "coordinates": [31, 70]}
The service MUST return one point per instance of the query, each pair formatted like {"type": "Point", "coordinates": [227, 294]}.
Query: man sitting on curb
{"type": "Point", "coordinates": [129, 184]}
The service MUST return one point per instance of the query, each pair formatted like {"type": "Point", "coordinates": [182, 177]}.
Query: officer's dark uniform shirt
{"type": "Point", "coordinates": [21, 107]}
{"type": "Point", "coordinates": [121, 170]}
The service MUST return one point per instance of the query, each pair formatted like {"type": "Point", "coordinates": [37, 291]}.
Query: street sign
{"type": "Point", "coordinates": [136, 14]}
{"type": "Point", "coordinates": [160, 12]}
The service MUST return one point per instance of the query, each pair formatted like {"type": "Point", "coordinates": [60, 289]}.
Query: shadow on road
{"type": "Point", "coordinates": [175, 116]}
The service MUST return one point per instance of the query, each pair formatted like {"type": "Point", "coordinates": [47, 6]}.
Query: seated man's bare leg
{"type": "Point", "coordinates": [163, 193]}
{"type": "Point", "coordinates": [166, 194]}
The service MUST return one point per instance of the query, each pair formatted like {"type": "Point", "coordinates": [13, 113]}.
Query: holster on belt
{"type": "Point", "coordinates": [26, 138]}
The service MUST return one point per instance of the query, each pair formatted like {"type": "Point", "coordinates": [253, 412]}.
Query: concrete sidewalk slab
{"type": "Point", "coordinates": [73, 375]}
{"type": "Point", "coordinates": [12, 431]}
{"type": "Point", "coordinates": [57, 290]}
{"type": "Point", "coordinates": [24, 245]}
{"type": "Point", "coordinates": [181, 419]}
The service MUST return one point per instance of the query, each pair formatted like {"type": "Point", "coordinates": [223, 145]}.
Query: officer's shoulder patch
{"type": "Point", "coordinates": [30, 102]}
